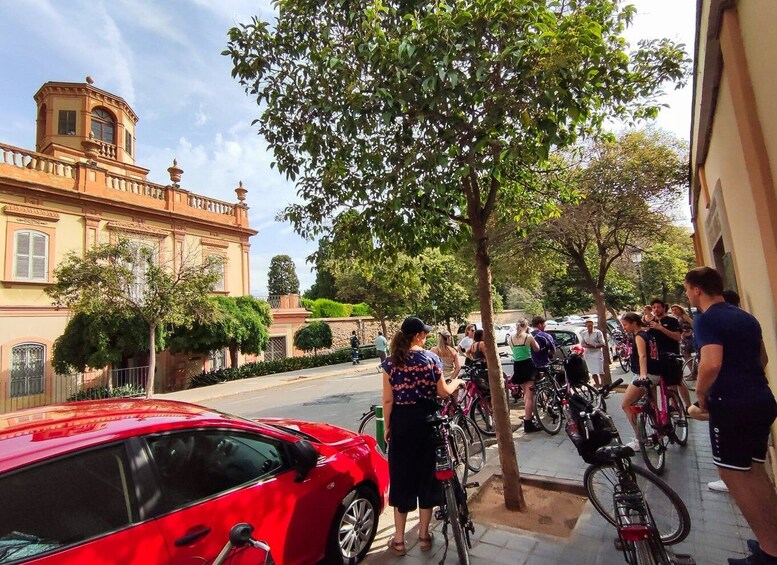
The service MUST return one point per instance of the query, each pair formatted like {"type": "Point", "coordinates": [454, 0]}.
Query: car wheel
{"type": "Point", "coordinates": [353, 529]}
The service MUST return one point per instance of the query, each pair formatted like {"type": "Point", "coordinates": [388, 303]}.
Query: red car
{"type": "Point", "coordinates": [150, 481]}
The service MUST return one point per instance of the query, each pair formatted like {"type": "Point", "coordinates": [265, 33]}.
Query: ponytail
{"type": "Point", "coordinates": [400, 347]}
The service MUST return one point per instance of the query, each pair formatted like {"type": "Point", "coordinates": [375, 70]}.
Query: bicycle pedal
{"type": "Point", "coordinates": [618, 543]}
{"type": "Point", "coordinates": [439, 514]}
{"type": "Point", "coordinates": [473, 484]}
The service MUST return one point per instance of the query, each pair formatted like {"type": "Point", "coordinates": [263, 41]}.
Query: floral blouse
{"type": "Point", "coordinates": [416, 380]}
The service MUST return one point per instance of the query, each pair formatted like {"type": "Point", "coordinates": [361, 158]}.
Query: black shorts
{"type": "Point", "coordinates": [739, 433]}
{"type": "Point", "coordinates": [523, 371]}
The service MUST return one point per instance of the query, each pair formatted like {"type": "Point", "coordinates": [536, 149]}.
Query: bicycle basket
{"type": "Point", "coordinates": [576, 369]}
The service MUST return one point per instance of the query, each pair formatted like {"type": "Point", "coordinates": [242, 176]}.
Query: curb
{"type": "Point", "coordinates": [242, 386]}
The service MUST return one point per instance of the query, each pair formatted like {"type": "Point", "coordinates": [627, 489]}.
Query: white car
{"type": "Point", "coordinates": [567, 335]}
{"type": "Point", "coordinates": [502, 333]}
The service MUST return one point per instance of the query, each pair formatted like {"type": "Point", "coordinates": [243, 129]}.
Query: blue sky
{"type": "Point", "coordinates": [164, 58]}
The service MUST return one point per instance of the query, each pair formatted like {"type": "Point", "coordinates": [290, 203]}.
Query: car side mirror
{"type": "Point", "coordinates": [304, 457]}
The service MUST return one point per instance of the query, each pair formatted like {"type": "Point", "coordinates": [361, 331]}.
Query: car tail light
{"type": "Point", "coordinates": [634, 532]}
{"type": "Point", "coordinates": [443, 474]}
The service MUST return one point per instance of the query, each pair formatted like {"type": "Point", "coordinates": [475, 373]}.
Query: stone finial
{"type": "Point", "coordinates": [175, 173]}
{"type": "Point", "coordinates": [241, 192]}
{"type": "Point", "coordinates": [89, 80]}
{"type": "Point", "coordinates": [91, 148]}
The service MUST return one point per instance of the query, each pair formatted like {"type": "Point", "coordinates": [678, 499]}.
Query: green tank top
{"type": "Point", "coordinates": [522, 352]}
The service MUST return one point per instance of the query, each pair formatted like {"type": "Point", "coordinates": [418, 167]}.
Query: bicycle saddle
{"type": "Point", "coordinates": [613, 452]}
{"type": "Point", "coordinates": [646, 383]}
{"type": "Point", "coordinates": [435, 418]}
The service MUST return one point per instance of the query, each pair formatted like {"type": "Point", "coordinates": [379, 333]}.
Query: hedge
{"type": "Point", "coordinates": [98, 392]}
{"type": "Point", "coordinates": [264, 368]}
{"type": "Point", "coordinates": [326, 308]}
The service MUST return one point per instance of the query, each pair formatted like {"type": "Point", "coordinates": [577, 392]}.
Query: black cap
{"type": "Point", "coordinates": [413, 325]}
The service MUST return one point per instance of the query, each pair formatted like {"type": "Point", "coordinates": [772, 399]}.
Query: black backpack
{"type": "Point", "coordinates": [576, 369]}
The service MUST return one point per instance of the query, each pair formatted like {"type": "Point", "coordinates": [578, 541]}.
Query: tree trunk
{"type": "Point", "coordinates": [151, 360]}
{"type": "Point", "coordinates": [601, 313]}
{"type": "Point", "coordinates": [508, 459]}
{"type": "Point", "coordinates": [383, 327]}
{"type": "Point", "coordinates": [233, 354]}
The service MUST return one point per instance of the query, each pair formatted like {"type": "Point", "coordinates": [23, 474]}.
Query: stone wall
{"type": "Point", "coordinates": [366, 329]}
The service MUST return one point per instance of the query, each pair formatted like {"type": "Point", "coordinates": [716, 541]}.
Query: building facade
{"type": "Point", "coordinates": [734, 156]}
{"type": "Point", "coordinates": [81, 186]}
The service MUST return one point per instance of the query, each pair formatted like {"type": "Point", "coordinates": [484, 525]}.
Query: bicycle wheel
{"type": "Point", "coordinates": [459, 453]}
{"type": "Point", "coordinates": [476, 446]}
{"type": "Point", "coordinates": [483, 417]}
{"type": "Point", "coordinates": [679, 419]}
{"type": "Point", "coordinates": [690, 372]}
{"type": "Point", "coordinates": [667, 508]}
{"type": "Point", "coordinates": [367, 425]}
{"type": "Point", "coordinates": [452, 508]}
{"type": "Point", "coordinates": [547, 411]}
{"type": "Point", "coordinates": [624, 360]}
{"type": "Point", "coordinates": [651, 444]}
{"type": "Point", "coordinates": [588, 392]}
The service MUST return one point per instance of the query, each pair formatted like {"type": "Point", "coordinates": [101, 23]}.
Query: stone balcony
{"type": "Point", "coordinates": [90, 180]}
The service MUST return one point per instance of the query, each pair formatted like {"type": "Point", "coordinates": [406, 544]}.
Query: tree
{"type": "Point", "coordinates": [628, 185]}
{"type": "Point", "coordinates": [314, 336]}
{"type": "Point", "coordinates": [665, 263]}
{"type": "Point", "coordinates": [282, 276]}
{"type": "Point", "coordinates": [423, 119]}
{"type": "Point", "coordinates": [565, 293]}
{"type": "Point", "coordinates": [125, 280]}
{"type": "Point", "coordinates": [450, 289]}
{"type": "Point", "coordinates": [239, 323]}
{"type": "Point", "coordinates": [100, 339]}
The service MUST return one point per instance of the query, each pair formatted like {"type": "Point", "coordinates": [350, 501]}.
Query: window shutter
{"type": "Point", "coordinates": [39, 256]}
{"type": "Point", "coordinates": [23, 255]}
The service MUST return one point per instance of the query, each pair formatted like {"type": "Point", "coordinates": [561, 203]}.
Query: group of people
{"type": "Point", "coordinates": [732, 391]}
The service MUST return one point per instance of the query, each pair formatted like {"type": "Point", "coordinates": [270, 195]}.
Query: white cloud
{"type": "Point", "coordinates": [200, 117]}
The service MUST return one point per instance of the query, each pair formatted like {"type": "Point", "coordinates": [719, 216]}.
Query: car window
{"type": "Point", "coordinates": [461, 329]}
{"type": "Point", "coordinates": [64, 502]}
{"type": "Point", "coordinates": [563, 338]}
{"type": "Point", "coordinates": [197, 464]}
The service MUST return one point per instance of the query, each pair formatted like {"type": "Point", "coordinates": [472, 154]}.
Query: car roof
{"type": "Point", "coordinates": [41, 433]}
{"type": "Point", "coordinates": [565, 328]}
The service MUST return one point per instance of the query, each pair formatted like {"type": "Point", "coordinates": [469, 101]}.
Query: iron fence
{"type": "Point", "coordinates": [52, 389]}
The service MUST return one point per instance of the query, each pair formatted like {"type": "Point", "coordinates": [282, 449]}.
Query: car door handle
{"type": "Point", "coordinates": [193, 535]}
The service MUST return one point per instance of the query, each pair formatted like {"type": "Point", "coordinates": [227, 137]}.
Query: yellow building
{"type": "Point", "coordinates": [79, 187]}
{"type": "Point", "coordinates": [734, 156]}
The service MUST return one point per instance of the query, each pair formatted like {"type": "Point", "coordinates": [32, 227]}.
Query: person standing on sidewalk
{"type": "Point", "coordinates": [524, 371]}
{"type": "Point", "coordinates": [381, 343]}
{"type": "Point", "coordinates": [466, 343]}
{"type": "Point", "coordinates": [412, 381]}
{"type": "Point", "coordinates": [668, 333]}
{"type": "Point", "coordinates": [354, 348]}
{"type": "Point", "coordinates": [732, 387]}
{"type": "Point", "coordinates": [450, 359]}
{"type": "Point", "coordinates": [593, 350]}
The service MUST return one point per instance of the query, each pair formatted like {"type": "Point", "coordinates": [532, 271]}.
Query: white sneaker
{"type": "Point", "coordinates": [717, 486]}
{"type": "Point", "coordinates": [633, 444]}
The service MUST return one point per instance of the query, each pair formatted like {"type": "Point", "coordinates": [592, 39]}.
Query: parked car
{"type": "Point", "coordinates": [567, 335]}
{"type": "Point", "coordinates": [151, 481]}
{"type": "Point", "coordinates": [502, 333]}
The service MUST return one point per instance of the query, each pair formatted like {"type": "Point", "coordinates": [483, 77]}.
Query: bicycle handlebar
{"type": "Point", "coordinates": [607, 389]}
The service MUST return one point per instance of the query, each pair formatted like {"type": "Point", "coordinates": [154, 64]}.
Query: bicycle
{"type": "Point", "coordinates": [647, 513]}
{"type": "Point", "coordinates": [691, 371]}
{"type": "Point", "coordinates": [660, 421]}
{"type": "Point", "coordinates": [550, 394]}
{"type": "Point", "coordinates": [623, 351]}
{"type": "Point", "coordinates": [476, 446]}
{"type": "Point", "coordinates": [449, 463]}
{"type": "Point", "coordinates": [239, 538]}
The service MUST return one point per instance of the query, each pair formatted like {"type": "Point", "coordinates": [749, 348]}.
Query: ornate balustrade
{"type": "Point", "coordinates": [211, 205]}
{"type": "Point", "coordinates": [107, 150]}
{"type": "Point", "coordinates": [135, 186]}
{"type": "Point", "coordinates": [24, 159]}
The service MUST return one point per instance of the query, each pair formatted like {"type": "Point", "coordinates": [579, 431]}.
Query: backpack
{"type": "Point", "coordinates": [588, 441]}
{"type": "Point", "coordinates": [354, 341]}
{"type": "Point", "coordinates": [576, 369]}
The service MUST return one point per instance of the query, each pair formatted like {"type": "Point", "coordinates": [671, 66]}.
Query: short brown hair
{"type": "Point", "coordinates": [537, 320]}
{"type": "Point", "coordinates": [707, 279]}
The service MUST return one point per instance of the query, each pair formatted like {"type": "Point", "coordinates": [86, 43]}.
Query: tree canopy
{"type": "Point", "coordinates": [420, 119]}
{"type": "Point", "coordinates": [282, 276]}
{"type": "Point", "coordinates": [313, 336]}
{"type": "Point", "coordinates": [239, 323]}
{"type": "Point", "coordinates": [123, 281]}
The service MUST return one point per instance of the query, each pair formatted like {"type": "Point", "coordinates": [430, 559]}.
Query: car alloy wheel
{"type": "Point", "coordinates": [354, 528]}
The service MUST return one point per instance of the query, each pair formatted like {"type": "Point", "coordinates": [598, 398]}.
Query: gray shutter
{"type": "Point", "coordinates": [22, 266]}
{"type": "Point", "coordinates": [39, 257]}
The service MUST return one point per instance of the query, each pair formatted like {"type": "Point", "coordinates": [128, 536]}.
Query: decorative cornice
{"type": "Point", "coordinates": [207, 242]}
{"type": "Point", "coordinates": [30, 212]}
{"type": "Point", "coordinates": [136, 228]}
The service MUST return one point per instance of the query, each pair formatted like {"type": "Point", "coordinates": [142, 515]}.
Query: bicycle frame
{"type": "Point", "coordinates": [657, 406]}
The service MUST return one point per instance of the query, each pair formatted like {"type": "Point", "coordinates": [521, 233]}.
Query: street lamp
{"type": "Point", "coordinates": [635, 254]}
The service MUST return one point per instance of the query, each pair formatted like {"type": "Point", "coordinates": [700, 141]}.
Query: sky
{"type": "Point", "coordinates": [164, 58]}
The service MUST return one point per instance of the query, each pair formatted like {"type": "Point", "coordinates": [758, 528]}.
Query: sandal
{"type": "Point", "coordinates": [397, 547]}
{"type": "Point", "coordinates": [426, 543]}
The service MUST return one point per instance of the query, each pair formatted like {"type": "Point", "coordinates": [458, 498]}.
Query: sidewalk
{"type": "Point", "coordinates": [718, 530]}
{"type": "Point", "coordinates": [232, 388]}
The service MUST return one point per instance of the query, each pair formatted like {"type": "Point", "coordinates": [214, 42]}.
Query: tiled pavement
{"type": "Point", "coordinates": [718, 529]}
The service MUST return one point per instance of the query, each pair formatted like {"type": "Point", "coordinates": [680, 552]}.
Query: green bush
{"type": "Point", "coordinates": [306, 303]}
{"type": "Point", "coordinates": [314, 336]}
{"type": "Point", "coordinates": [361, 309]}
{"type": "Point", "coordinates": [278, 366]}
{"type": "Point", "coordinates": [325, 308]}
{"type": "Point", "coordinates": [98, 392]}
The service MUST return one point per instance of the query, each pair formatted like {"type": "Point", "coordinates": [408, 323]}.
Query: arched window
{"type": "Point", "coordinates": [103, 125]}
{"type": "Point", "coordinates": [31, 256]}
{"type": "Point", "coordinates": [27, 369]}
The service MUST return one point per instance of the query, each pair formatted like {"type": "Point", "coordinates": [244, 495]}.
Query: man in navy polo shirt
{"type": "Point", "coordinates": [733, 388]}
